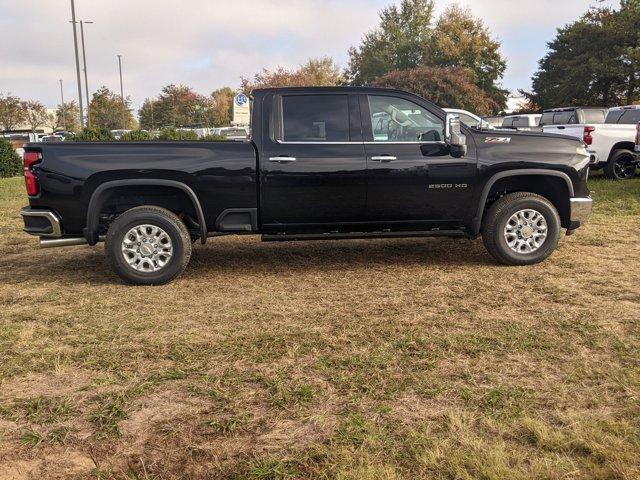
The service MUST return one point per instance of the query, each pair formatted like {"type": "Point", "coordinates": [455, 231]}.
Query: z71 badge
{"type": "Point", "coordinates": [497, 140]}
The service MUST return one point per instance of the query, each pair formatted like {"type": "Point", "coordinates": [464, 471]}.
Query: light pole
{"type": "Point", "coordinates": [75, 45]}
{"type": "Point", "coordinates": [62, 108]}
{"type": "Point", "coordinates": [84, 62]}
{"type": "Point", "coordinates": [121, 91]}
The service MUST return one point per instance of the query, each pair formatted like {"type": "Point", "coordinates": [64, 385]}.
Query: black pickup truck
{"type": "Point", "coordinates": [322, 163]}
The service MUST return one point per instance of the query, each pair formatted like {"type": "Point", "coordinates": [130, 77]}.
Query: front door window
{"type": "Point", "coordinates": [399, 120]}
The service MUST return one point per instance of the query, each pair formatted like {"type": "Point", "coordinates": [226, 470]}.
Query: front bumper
{"type": "Point", "coordinates": [43, 223]}
{"type": "Point", "coordinates": [581, 209]}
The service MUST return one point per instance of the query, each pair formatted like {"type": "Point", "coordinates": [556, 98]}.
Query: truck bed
{"type": "Point", "coordinates": [222, 174]}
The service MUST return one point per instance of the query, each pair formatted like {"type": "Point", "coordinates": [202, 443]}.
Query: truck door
{"type": "Point", "coordinates": [413, 181]}
{"type": "Point", "coordinates": [312, 165]}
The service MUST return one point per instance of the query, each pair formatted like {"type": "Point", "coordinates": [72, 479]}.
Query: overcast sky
{"type": "Point", "coordinates": [207, 44]}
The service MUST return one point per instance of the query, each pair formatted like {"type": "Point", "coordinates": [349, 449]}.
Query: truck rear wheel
{"type": "Point", "coordinates": [148, 245]}
{"type": "Point", "coordinates": [621, 166]}
{"type": "Point", "coordinates": [521, 229]}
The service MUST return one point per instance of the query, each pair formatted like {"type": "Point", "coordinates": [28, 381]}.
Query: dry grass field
{"type": "Point", "coordinates": [380, 359]}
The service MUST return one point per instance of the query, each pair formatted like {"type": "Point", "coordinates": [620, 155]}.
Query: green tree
{"type": "Point", "coordinates": [407, 38]}
{"type": "Point", "coordinates": [136, 136]}
{"type": "Point", "coordinates": [177, 106]}
{"type": "Point", "coordinates": [400, 42]}
{"type": "Point", "coordinates": [222, 106]}
{"type": "Point", "coordinates": [67, 117]}
{"type": "Point", "coordinates": [460, 40]}
{"type": "Point", "coordinates": [171, 134]}
{"type": "Point", "coordinates": [446, 86]}
{"type": "Point", "coordinates": [316, 72]}
{"type": "Point", "coordinates": [10, 163]}
{"type": "Point", "coordinates": [107, 110]}
{"type": "Point", "coordinates": [95, 134]}
{"type": "Point", "coordinates": [35, 114]}
{"type": "Point", "coordinates": [593, 61]}
{"type": "Point", "coordinates": [11, 111]}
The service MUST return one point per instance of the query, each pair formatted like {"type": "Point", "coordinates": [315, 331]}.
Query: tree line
{"type": "Point", "coordinates": [452, 60]}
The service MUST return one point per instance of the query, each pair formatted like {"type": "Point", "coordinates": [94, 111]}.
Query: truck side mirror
{"type": "Point", "coordinates": [455, 139]}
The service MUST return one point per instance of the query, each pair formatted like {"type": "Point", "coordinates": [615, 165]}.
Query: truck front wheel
{"type": "Point", "coordinates": [148, 245]}
{"type": "Point", "coordinates": [521, 229]}
{"type": "Point", "coordinates": [621, 166]}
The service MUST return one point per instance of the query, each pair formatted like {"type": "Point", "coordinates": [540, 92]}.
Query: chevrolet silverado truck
{"type": "Point", "coordinates": [322, 163]}
{"type": "Point", "coordinates": [612, 141]}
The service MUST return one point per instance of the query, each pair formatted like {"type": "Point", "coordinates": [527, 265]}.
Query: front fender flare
{"type": "Point", "coordinates": [91, 230]}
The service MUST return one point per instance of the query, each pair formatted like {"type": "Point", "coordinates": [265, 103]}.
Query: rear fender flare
{"type": "Point", "coordinates": [477, 221]}
{"type": "Point", "coordinates": [93, 211]}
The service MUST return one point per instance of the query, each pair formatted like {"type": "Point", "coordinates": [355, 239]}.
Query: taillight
{"type": "Point", "coordinates": [586, 137]}
{"type": "Point", "coordinates": [29, 159]}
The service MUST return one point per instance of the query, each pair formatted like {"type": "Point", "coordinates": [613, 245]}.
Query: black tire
{"type": "Point", "coordinates": [155, 217]}
{"type": "Point", "coordinates": [621, 166]}
{"type": "Point", "coordinates": [496, 218]}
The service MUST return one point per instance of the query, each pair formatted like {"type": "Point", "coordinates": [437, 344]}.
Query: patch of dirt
{"type": "Point", "coordinates": [57, 384]}
{"type": "Point", "coordinates": [51, 466]}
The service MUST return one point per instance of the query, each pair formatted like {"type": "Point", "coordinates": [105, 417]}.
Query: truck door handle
{"type": "Point", "coordinates": [283, 159]}
{"type": "Point", "coordinates": [384, 158]}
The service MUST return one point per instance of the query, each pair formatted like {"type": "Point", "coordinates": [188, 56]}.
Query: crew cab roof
{"type": "Point", "coordinates": [327, 90]}
{"type": "Point", "coordinates": [570, 109]}
{"type": "Point", "coordinates": [626, 107]}
{"type": "Point", "coordinates": [261, 92]}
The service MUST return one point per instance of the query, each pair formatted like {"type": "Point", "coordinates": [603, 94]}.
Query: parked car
{"type": "Point", "coordinates": [52, 138]}
{"type": "Point", "coordinates": [117, 134]}
{"type": "Point", "coordinates": [572, 116]}
{"type": "Point", "coordinates": [469, 119]}
{"type": "Point", "coordinates": [524, 122]}
{"type": "Point", "coordinates": [613, 144]}
{"type": "Point", "coordinates": [232, 133]}
{"type": "Point", "coordinates": [314, 169]}
{"type": "Point", "coordinates": [495, 122]}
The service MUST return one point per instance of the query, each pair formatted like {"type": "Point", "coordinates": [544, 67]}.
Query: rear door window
{"type": "Point", "coordinates": [546, 119]}
{"type": "Point", "coordinates": [614, 116]}
{"type": "Point", "coordinates": [593, 116]}
{"type": "Point", "coordinates": [315, 118]}
{"type": "Point", "coordinates": [630, 117]}
{"type": "Point", "coordinates": [468, 120]}
{"type": "Point", "coordinates": [521, 122]}
{"type": "Point", "coordinates": [507, 122]}
{"type": "Point", "coordinates": [564, 118]}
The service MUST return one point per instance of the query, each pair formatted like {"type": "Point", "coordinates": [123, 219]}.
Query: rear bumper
{"type": "Point", "coordinates": [43, 223]}
{"type": "Point", "coordinates": [581, 209]}
{"type": "Point", "coordinates": [594, 159]}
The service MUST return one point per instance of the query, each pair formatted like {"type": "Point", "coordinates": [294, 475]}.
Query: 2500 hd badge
{"type": "Point", "coordinates": [448, 185]}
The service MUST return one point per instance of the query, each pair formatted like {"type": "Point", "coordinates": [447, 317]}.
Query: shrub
{"type": "Point", "coordinates": [173, 134]}
{"type": "Point", "coordinates": [94, 134]}
{"type": "Point", "coordinates": [10, 162]}
{"type": "Point", "coordinates": [136, 136]}
{"type": "Point", "coordinates": [213, 138]}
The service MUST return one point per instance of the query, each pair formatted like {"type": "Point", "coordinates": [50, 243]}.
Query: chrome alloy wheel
{"type": "Point", "coordinates": [526, 231]}
{"type": "Point", "coordinates": [147, 248]}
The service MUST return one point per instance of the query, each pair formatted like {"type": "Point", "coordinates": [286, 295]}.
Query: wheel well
{"type": "Point", "coordinates": [621, 146]}
{"type": "Point", "coordinates": [118, 200]}
{"type": "Point", "coordinates": [553, 189]}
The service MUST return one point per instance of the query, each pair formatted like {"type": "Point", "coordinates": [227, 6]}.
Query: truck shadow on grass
{"type": "Point", "coordinates": [233, 256]}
